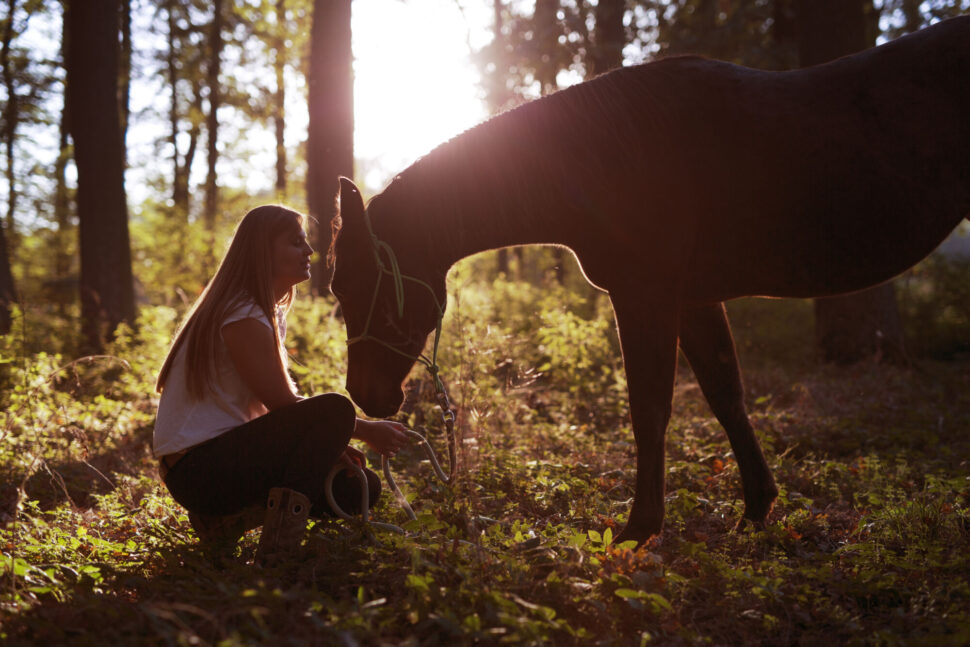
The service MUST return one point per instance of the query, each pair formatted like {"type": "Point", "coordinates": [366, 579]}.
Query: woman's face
{"type": "Point", "coordinates": [291, 258]}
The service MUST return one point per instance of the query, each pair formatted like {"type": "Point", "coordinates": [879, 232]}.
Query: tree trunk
{"type": "Point", "coordinates": [212, 119]}
{"type": "Point", "coordinates": [829, 29]}
{"type": "Point", "coordinates": [181, 163]}
{"type": "Point", "coordinates": [181, 167]}
{"type": "Point", "coordinates": [546, 30]}
{"type": "Point", "coordinates": [11, 117]}
{"type": "Point", "coordinates": [912, 15]}
{"type": "Point", "coordinates": [8, 294]}
{"type": "Point", "coordinates": [180, 188]}
{"type": "Point", "coordinates": [62, 197]}
{"type": "Point", "coordinates": [609, 37]}
{"type": "Point", "coordinates": [279, 110]}
{"type": "Point", "coordinates": [783, 24]}
{"type": "Point", "coordinates": [106, 285]}
{"type": "Point", "coordinates": [124, 74]}
{"type": "Point", "coordinates": [865, 324]}
{"type": "Point", "coordinates": [498, 96]}
{"type": "Point", "coordinates": [330, 137]}
{"type": "Point", "coordinates": [860, 325]}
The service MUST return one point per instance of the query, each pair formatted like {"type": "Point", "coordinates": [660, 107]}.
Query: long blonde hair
{"type": "Point", "coordinates": [244, 273]}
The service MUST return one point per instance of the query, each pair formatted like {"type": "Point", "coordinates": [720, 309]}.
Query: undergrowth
{"type": "Point", "coordinates": [867, 544]}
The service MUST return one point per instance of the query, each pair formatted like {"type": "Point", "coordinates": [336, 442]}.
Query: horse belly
{"type": "Point", "coordinates": [814, 254]}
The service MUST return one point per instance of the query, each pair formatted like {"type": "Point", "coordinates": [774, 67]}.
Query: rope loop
{"type": "Point", "coordinates": [357, 471]}
{"type": "Point", "coordinates": [430, 364]}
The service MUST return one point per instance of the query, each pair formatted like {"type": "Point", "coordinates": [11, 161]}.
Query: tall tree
{"type": "Point", "coordinates": [8, 293]}
{"type": "Point", "coordinates": [124, 73]}
{"type": "Point", "coordinates": [24, 90]}
{"type": "Point", "coordinates": [24, 87]}
{"type": "Point", "coordinates": [546, 31]}
{"type": "Point", "coordinates": [182, 58]}
{"type": "Point", "coordinates": [62, 194]}
{"type": "Point", "coordinates": [330, 137]}
{"type": "Point", "coordinates": [7, 287]}
{"type": "Point", "coordinates": [857, 326]}
{"type": "Point", "coordinates": [213, 72]}
{"type": "Point", "coordinates": [495, 61]}
{"type": "Point", "coordinates": [609, 37]}
{"type": "Point", "coordinates": [106, 285]}
{"type": "Point", "coordinates": [279, 96]}
{"type": "Point", "coordinates": [11, 111]}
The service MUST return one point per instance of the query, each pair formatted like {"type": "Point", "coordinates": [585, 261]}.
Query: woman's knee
{"type": "Point", "coordinates": [334, 411]}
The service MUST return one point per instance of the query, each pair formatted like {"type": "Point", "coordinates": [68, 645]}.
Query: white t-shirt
{"type": "Point", "coordinates": [183, 421]}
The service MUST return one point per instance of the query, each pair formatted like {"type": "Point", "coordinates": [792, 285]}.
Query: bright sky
{"type": "Point", "coordinates": [416, 86]}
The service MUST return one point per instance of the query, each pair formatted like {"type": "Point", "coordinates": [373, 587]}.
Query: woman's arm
{"type": "Point", "coordinates": [253, 352]}
{"type": "Point", "coordinates": [252, 349]}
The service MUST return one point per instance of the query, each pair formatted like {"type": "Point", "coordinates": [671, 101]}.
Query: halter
{"type": "Point", "coordinates": [394, 272]}
{"type": "Point", "coordinates": [430, 364]}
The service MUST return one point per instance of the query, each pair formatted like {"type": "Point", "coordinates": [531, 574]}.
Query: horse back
{"type": "Point", "coordinates": [828, 179]}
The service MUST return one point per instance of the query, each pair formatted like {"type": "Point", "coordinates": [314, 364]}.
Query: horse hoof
{"type": "Point", "coordinates": [757, 514]}
{"type": "Point", "coordinates": [744, 523]}
{"type": "Point", "coordinates": [641, 536]}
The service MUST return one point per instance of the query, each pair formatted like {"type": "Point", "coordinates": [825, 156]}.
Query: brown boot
{"type": "Point", "coordinates": [220, 534]}
{"type": "Point", "coordinates": [284, 525]}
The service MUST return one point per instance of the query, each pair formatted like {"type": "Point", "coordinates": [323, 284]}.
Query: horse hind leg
{"type": "Point", "coordinates": [705, 339]}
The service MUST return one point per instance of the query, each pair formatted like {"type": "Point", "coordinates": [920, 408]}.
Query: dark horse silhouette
{"type": "Point", "coordinates": [678, 184]}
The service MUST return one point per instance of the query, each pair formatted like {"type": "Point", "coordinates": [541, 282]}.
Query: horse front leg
{"type": "Point", "coordinates": [648, 337]}
{"type": "Point", "coordinates": [705, 338]}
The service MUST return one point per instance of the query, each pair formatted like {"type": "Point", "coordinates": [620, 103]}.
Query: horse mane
{"type": "Point", "coordinates": [335, 225]}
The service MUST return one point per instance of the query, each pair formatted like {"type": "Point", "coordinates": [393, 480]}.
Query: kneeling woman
{"type": "Point", "coordinates": [232, 436]}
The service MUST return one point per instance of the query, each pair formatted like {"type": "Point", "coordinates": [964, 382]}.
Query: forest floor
{"type": "Point", "coordinates": [867, 543]}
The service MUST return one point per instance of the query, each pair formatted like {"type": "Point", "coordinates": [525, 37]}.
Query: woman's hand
{"type": "Point", "coordinates": [351, 457]}
{"type": "Point", "coordinates": [385, 437]}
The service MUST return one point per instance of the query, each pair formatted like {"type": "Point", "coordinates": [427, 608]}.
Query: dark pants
{"type": "Point", "coordinates": [294, 447]}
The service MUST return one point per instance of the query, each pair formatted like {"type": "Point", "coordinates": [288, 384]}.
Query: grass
{"type": "Point", "coordinates": [867, 544]}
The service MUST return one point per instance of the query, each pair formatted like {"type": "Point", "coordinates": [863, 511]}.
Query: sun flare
{"type": "Point", "coordinates": [415, 86]}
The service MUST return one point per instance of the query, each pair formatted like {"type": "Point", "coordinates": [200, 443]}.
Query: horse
{"type": "Point", "coordinates": [678, 184]}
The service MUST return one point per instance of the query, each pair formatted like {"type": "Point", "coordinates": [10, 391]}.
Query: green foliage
{"type": "Point", "coordinates": [316, 342]}
{"type": "Point", "coordinates": [934, 303]}
{"type": "Point", "coordinates": [867, 542]}
{"type": "Point", "coordinates": [173, 257]}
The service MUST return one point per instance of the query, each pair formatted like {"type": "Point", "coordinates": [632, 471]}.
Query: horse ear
{"type": "Point", "coordinates": [351, 204]}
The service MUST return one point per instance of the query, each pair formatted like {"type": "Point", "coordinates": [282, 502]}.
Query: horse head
{"type": "Point", "coordinates": [388, 314]}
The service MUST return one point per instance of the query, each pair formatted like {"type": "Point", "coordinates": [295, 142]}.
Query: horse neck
{"type": "Point", "coordinates": [447, 211]}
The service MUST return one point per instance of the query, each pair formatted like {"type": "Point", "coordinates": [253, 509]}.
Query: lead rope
{"type": "Point", "coordinates": [386, 466]}
{"type": "Point", "coordinates": [430, 364]}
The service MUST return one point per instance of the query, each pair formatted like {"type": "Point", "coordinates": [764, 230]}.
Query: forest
{"type": "Point", "coordinates": [136, 133]}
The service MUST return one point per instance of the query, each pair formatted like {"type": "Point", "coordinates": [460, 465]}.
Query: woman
{"type": "Point", "coordinates": [231, 434]}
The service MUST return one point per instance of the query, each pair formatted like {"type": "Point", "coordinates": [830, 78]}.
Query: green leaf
{"type": "Point", "coordinates": [420, 583]}
{"type": "Point", "coordinates": [629, 593]}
